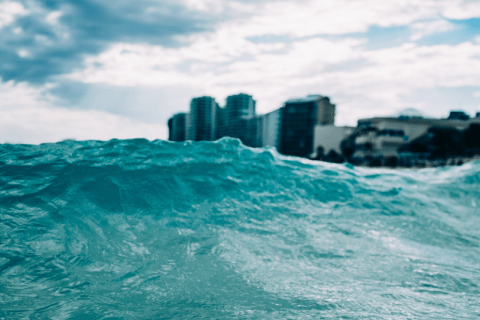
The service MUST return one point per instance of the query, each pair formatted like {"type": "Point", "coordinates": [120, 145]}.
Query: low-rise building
{"type": "Point", "coordinates": [329, 137]}
{"type": "Point", "coordinates": [382, 136]}
{"type": "Point", "coordinates": [458, 115]}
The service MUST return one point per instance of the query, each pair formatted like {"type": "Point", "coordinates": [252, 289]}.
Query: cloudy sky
{"type": "Point", "coordinates": [102, 69]}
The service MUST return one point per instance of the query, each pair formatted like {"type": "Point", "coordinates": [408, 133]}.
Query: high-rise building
{"type": "Point", "coordinates": [177, 127]}
{"type": "Point", "coordinates": [201, 121]}
{"type": "Point", "coordinates": [220, 123]}
{"type": "Point", "coordinates": [252, 132]}
{"type": "Point", "coordinates": [170, 129]}
{"type": "Point", "coordinates": [299, 117]}
{"type": "Point", "coordinates": [239, 110]}
{"type": "Point", "coordinates": [271, 128]}
{"type": "Point", "coordinates": [325, 110]}
{"type": "Point", "coordinates": [256, 125]}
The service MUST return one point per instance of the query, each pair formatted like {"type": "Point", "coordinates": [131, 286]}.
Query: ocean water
{"type": "Point", "coordinates": [133, 229]}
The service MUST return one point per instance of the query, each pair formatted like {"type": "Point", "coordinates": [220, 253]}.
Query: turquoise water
{"type": "Point", "coordinates": [135, 229]}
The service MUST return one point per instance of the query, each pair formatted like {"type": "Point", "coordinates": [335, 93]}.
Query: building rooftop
{"type": "Point", "coordinates": [309, 98]}
{"type": "Point", "coordinates": [410, 113]}
{"type": "Point", "coordinates": [417, 120]}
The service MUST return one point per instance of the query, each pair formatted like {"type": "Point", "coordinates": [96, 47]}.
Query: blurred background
{"type": "Point", "coordinates": [120, 69]}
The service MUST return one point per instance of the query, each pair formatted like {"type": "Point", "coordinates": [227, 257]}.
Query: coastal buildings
{"type": "Point", "coordinates": [237, 118]}
{"type": "Point", "coordinates": [220, 119]}
{"type": "Point", "coordinates": [305, 127]}
{"type": "Point", "coordinates": [270, 128]}
{"type": "Point", "coordinates": [201, 121]}
{"type": "Point", "coordinates": [329, 138]}
{"type": "Point", "coordinates": [177, 128]}
{"type": "Point", "coordinates": [257, 137]}
{"type": "Point", "coordinates": [290, 128]}
{"type": "Point", "coordinates": [458, 115]}
{"type": "Point", "coordinates": [382, 136]}
{"type": "Point", "coordinates": [299, 118]}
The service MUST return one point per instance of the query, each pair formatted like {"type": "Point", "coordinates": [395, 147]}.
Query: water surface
{"type": "Point", "coordinates": [132, 229]}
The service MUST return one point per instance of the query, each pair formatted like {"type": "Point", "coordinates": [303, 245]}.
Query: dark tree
{"type": "Point", "coordinates": [447, 142]}
{"type": "Point", "coordinates": [417, 147]}
{"type": "Point", "coordinates": [374, 161]}
{"type": "Point", "coordinates": [472, 136]}
{"type": "Point", "coordinates": [320, 153]}
{"type": "Point", "coordinates": [334, 157]}
{"type": "Point", "coordinates": [391, 161]}
{"type": "Point", "coordinates": [348, 147]}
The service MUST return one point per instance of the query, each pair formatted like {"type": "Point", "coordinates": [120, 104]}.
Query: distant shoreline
{"type": "Point", "coordinates": [427, 164]}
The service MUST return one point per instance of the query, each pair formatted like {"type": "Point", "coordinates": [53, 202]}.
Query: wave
{"type": "Point", "coordinates": [133, 229]}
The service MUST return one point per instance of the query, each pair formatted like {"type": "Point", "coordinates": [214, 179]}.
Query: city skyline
{"type": "Point", "coordinates": [102, 70]}
{"type": "Point", "coordinates": [290, 129]}
{"type": "Point", "coordinates": [305, 127]}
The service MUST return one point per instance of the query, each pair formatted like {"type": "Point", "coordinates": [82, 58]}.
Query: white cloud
{"type": "Point", "coordinates": [205, 5]}
{"type": "Point", "coordinates": [131, 65]}
{"type": "Point", "coordinates": [429, 66]}
{"type": "Point", "coordinates": [227, 54]}
{"type": "Point", "coordinates": [9, 10]}
{"type": "Point", "coordinates": [461, 9]}
{"type": "Point", "coordinates": [427, 28]}
{"type": "Point", "coordinates": [23, 53]}
{"type": "Point", "coordinates": [262, 70]}
{"type": "Point", "coordinates": [335, 17]}
{"type": "Point", "coordinates": [305, 56]}
{"type": "Point", "coordinates": [221, 65]}
{"type": "Point", "coordinates": [222, 7]}
{"type": "Point", "coordinates": [52, 18]}
{"type": "Point", "coordinates": [30, 116]}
